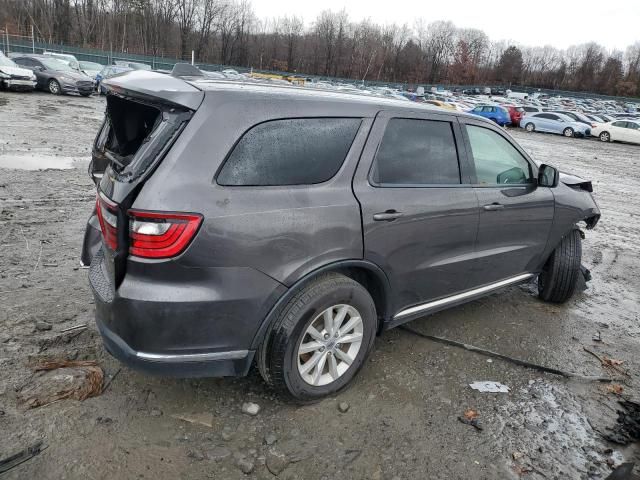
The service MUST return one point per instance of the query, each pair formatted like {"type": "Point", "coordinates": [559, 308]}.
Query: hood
{"type": "Point", "coordinates": [576, 182]}
{"type": "Point", "coordinates": [74, 75]}
{"type": "Point", "coordinates": [579, 126]}
{"type": "Point", "coordinates": [16, 71]}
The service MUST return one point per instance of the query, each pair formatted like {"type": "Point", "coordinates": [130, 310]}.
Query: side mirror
{"type": "Point", "coordinates": [548, 176]}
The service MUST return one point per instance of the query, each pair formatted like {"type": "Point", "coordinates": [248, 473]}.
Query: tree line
{"type": "Point", "coordinates": [228, 32]}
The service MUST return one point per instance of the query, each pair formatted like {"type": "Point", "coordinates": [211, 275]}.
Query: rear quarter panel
{"type": "Point", "coordinates": [284, 232]}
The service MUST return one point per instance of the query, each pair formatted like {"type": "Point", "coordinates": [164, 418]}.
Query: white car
{"type": "Point", "coordinates": [618, 131]}
{"type": "Point", "coordinates": [13, 77]}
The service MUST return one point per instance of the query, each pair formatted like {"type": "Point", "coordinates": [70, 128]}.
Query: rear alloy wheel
{"type": "Point", "coordinates": [529, 127]}
{"type": "Point", "coordinates": [54, 87]}
{"type": "Point", "coordinates": [559, 277]}
{"type": "Point", "coordinates": [605, 137]}
{"type": "Point", "coordinates": [330, 345]}
{"type": "Point", "coordinates": [568, 132]}
{"type": "Point", "coordinates": [319, 339]}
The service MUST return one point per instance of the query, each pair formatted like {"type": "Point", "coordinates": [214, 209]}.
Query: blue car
{"type": "Point", "coordinates": [552, 122]}
{"type": "Point", "coordinates": [108, 72]}
{"type": "Point", "coordinates": [498, 114]}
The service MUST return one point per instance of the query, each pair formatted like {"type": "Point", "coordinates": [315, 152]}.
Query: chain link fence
{"type": "Point", "coordinates": [30, 44]}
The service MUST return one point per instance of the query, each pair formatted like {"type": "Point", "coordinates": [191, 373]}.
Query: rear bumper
{"type": "Point", "coordinates": [213, 364]}
{"type": "Point", "coordinates": [175, 320]}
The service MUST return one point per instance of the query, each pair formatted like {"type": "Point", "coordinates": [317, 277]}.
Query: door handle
{"type": "Point", "coordinates": [494, 206]}
{"type": "Point", "coordinates": [388, 216]}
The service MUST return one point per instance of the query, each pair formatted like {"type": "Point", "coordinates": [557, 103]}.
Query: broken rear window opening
{"type": "Point", "coordinates": [135, 135]}
{"type": "Point", "coordinates": [131, 123]}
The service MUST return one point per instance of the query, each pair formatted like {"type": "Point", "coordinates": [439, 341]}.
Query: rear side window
{"type": "Point", "coordinates": [296, 151]}
{"type": "Point", "coordinates": [416, 152]}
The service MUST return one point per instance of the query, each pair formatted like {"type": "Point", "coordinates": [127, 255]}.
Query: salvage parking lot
{"type": "Point", "coordinates": [400, 418]}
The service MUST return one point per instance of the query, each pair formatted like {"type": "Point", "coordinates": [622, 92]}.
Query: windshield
{"type": "Point", "coordinates": [53, 64]}
{"type": "Point", "coordinates": [90, 66]}
{"type": "Point", "coordinates": [6, 62]}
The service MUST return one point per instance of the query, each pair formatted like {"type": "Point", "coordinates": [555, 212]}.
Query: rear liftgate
{"type": "Point", "coordinates": [138, 130]}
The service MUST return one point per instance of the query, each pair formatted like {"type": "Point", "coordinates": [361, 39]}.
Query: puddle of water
{"type": "Point", "coordinates": [39, 162]}
{"type": "Point", "coordinates": [548, 428]}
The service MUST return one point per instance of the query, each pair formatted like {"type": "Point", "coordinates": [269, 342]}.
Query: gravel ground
{"type": "Point", "coordinates": [400, 418]}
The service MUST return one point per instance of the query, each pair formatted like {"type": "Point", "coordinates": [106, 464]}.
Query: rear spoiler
{"type": "Point", "coordinates": [155, 88]}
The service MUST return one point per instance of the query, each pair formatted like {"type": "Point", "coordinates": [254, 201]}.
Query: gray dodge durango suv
{"type": "Point", "coordinates": [241, 222]}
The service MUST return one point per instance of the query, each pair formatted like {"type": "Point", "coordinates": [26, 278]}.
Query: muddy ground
{"type": "Point", "coordinates": [402, 421]}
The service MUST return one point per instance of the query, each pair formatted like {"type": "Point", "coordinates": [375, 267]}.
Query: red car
{"type": "Point", "coordinates": [516, 113]}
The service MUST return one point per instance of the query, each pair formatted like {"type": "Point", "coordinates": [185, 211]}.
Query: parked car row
{"type": "Point", "coordinates": [58, 73]}
{"type": "Point", "coordinates": [606, 119]}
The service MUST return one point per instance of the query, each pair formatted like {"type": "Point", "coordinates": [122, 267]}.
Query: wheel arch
{"type": "Point", "coordinates": [367, 273]}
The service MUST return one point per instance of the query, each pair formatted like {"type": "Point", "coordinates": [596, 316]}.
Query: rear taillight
{"type": "Point", "coordinates": [160, 234]}
{"type": "Point", "coordinates": [108, 217]}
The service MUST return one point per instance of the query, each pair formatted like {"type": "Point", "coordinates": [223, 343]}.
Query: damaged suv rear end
{"type": "Point", "coordinates": [134, 243]}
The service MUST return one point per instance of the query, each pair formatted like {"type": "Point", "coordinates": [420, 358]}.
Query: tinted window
{"type": "Point", "coordinates": [27, 62]}
{"type": "Point", "coordinates": [297, 151]}
{"type": "Point", "coordinates": [495, 159]}
{"type": "Point", "coordinates": [416, 152]}
{"type": "Point", "coordinates": [619, 124]}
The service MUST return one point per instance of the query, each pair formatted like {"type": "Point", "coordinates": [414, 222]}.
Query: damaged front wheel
{"type": "Point", "coordinates": [560, 275]}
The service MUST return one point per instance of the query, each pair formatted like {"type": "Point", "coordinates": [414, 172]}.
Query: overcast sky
{"type": "Point", "coordinates": [560, 23]}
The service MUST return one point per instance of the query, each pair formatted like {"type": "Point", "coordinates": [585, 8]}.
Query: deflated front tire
{"type": "Point", "coordinates": [559, 277]}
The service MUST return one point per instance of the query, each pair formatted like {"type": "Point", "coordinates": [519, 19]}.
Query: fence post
{"type": "Point", "coordinates": [33, 41]}
{"type": "Point", "coordinates": [6, 33]}
{"type": "Point", "coordinates": [192, 57]}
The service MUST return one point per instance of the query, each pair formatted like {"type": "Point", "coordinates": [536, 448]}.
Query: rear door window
{"type": "Point", "coordinates": [296, 151]}
{"type": "Point", "coordinates": [416, 152]}
{"type": "Point", "coordinates": [496, 161]}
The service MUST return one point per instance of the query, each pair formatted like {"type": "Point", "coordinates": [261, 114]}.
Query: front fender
{"type": "Point", "coordinates": [573, 204]}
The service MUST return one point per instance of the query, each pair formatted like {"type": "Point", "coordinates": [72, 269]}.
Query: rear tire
{"type": "Point", "coordinates": [54, 87]}
{"type": "Point", "coordinates": [568, 132]}
{"type": "Point", "coordinates": [559, 277]}
{"type": "Point", "coordinates": [280, 359]}
{"type": "Point", "coordinates": [530, 127]}
{"type": "Point", "coordinates": [605, 137]}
